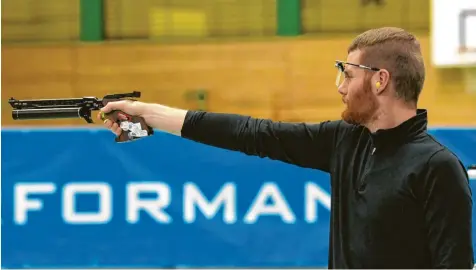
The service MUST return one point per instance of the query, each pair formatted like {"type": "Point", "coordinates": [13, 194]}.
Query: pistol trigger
{"type": "Point", "coordinates": [86, 114]}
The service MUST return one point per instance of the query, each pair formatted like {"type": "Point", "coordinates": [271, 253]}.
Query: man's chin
{"type": "Point", "coordinates": [350, 118]}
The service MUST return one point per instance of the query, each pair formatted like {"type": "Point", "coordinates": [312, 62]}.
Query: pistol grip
{"type": "Point", "coordinates": [133, 127]}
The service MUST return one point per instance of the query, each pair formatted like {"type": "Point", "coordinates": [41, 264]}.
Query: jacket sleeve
{"type": "Point", "coordinates": [305, 145]}
{"type": "Point", "coordinates": [448, 212]}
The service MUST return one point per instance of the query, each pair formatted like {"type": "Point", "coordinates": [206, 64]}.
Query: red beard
{"type": "Point", "coordinates": [361, 106]}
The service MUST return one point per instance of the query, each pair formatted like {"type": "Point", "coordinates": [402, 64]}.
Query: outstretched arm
{"type": "Point", "coordinates": [306, 145]}
{"type": "Point", "coordinates": [301, 144]}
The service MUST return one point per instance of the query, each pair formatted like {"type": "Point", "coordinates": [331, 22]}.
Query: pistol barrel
{"type": "Point", "coordinates": [29, 114]}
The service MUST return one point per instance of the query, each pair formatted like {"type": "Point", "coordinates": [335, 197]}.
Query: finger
{"type": "Point", "coordinates": [118, 131]}
{"type": "Point", "coordinates": [108, 123]}
{"type": "Point", "coordinates": [114, 127]}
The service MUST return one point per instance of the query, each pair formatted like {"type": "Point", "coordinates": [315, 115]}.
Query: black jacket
{"type": "Point", "coordinates": [400, 199]}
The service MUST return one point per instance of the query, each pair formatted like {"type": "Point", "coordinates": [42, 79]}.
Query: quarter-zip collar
{"type": "Point", "coordinates": [402, 133]}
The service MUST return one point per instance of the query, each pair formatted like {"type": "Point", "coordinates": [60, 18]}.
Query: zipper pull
{"type": "Point", "coordinates": [373, 151]}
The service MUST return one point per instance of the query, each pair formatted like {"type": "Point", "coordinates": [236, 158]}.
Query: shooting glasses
{"type": "Point", "coordinates": [340, 65]}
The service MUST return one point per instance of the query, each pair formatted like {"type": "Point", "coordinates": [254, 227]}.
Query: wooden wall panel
{"type": "Point", "coordinates": [331, 16]}
{"type": "Point", "coordinates": [141, 18]}
{"type": "Point", "coordinates": [45, 20]}
{"type": "Point", "coordinates": [284, 80]}
{"type": "Point", "coordinates": [235, 77]}
{"type": "Point", "coordinates": [36, 72]}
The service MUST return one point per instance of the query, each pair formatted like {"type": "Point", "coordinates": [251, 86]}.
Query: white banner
{"type": "Point", "coordinates": [453, 33]}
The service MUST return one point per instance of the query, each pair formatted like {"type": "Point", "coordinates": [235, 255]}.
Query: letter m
{"type": "Point", "coordinates": [193, 199]}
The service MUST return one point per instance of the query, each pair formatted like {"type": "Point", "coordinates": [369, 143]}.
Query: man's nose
{"type": "Point", "coordinates": [341, 89]}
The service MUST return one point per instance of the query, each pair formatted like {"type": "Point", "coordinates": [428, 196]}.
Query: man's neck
{"type": "Point", "coordinates": [389, 117]}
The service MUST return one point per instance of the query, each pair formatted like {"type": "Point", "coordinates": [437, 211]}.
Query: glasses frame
{"type": "Point", "coordinates": [340, 65]}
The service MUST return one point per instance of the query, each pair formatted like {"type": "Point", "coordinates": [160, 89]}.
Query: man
{"type": "Point", "coordinates": [400, 199]}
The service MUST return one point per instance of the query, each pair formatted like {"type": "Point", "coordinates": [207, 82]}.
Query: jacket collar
{"type": "Point", "coordinates": [406, 131]}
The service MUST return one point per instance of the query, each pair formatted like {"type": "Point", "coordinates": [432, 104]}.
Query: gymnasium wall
{"type": "Point", "coordinates": [157, 19]}
{"type": "Point", "coordinates": [40, 21]}
{"type": "Point", "coordinates": [73, 198]}
{"type": "Point", "coordinates": [281, 79]}
{"type": "Point", "coordinates": [165, 20]}
{"type": "Point", "coordinates": [226, 52]}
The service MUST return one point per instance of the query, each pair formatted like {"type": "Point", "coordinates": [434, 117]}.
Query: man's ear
{"type": "Point", "coordinates": [383, 79]}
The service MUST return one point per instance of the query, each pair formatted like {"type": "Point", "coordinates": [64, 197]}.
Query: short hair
{"type": "Point", "coordinates": [399, 52]}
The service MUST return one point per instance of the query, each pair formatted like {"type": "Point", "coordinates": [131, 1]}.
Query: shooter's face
{"type": "Point", "coordinates": [357, 94]}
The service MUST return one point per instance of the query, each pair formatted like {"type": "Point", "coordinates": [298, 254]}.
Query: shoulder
{"type": "Point", "coordinates": [442, 157]}
{"type": "Point", "coordinates": [430, 153]}
{"type": "Point", "coordinates": [445, 170]}
{"type": "Point", "coordinates": [339, 129]}
{"type": "Point", "coordinates": [446, 178]}
{"type": "Point", "coordinates": [339, 126]}
{"type": "Point", "coordinates": [332, 124]}
{"type": "Point", "coordinates": [445, 160]}
{"type": "Point", "coordinates": [437, 168]}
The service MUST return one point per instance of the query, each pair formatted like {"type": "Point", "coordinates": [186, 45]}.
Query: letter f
{"type": "Point", "coordinates": [23, 203]}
